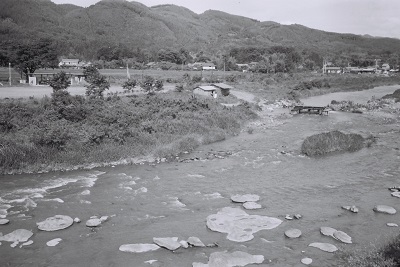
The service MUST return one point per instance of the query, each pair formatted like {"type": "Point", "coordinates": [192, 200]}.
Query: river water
{"type": "Point", "coordinates": [173, 199]}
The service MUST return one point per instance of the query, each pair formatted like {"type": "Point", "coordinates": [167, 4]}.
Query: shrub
{"type": "Point", "coordinates": [129, 85]}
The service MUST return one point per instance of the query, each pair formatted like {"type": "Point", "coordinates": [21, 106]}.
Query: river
{"type": "Point", "coordinates": [173, 199]}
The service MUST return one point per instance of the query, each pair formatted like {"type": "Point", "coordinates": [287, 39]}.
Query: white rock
{"type": "Point", "coordinates": [245, 198]}
{"type": "Point", "coordinates": [293, 233]}
{"type": "Point", "coordinates": [138, 248]}
{"type": "Point", "coordinates": [239, 225]}
{"type": "Point", "coordinates": [306, 261]}
{"type": "Point", "coordinates": [151, 261]}
{"type": "Point", "coordinates": [396, 194]}
{"type": "Point", "coordinates": [170, 243]}
{"type": "Point", "coordinates": [184, 244]}
{"type": "Point", "coordinates": [54, 242]}
{"type": "Point", "coordinates": [324, 247]}
{"type": "Point", "coordinates": [385, 209]}
{"type": "Point", "coordinates": [30, 242]}
{"type": "Point", "coordinates": [353, 209]}
{"type": "Point", "coordinates": [55, 223]}
{"type": "Point", "coordinates": [19, 235]}
{"type": "Point", "coordinates": [195, 241]}
{"type": "Point", "coordinates": [298, 216]}
{"type": "Point", "coordinates": [85, 192]}
{"type": "Point", "coordinates": [288, 217]}
{"type": "Point", "coordinates": [342, 236]}
{"type": "Point", "coordinates": [392, 225]}
{"type": "Point", "coordinates": [328, 231]}
{"type": "Point", "coordinates": [77, 220]}
{"type": "Point", "coordinates": [93, 222]}
{"type": "Point", "coordinates": [103, 218]}
{"type": "Point", "coordinates": [225, 259]}
{"type": "Point", "coordinates": [251, 205]}
{"type": "Point", "coordinates": [4, 221]}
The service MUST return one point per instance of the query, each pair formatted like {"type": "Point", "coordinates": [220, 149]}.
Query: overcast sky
{"type": "Point", "coordinates": [373, 17]}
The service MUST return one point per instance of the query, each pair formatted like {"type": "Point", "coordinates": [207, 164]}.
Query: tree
{"type": "Point", "coordinates": [97, 82]}
{"type": "Point", "coordinates": [28, 57]}
{"type": "Point", "coordinates": [129, 85]}
{"type": "Point", "coordinates": [60, 82]}
{"type": "Point", "coordinates": [147, 84]}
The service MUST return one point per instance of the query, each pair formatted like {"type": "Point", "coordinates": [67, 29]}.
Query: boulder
{"type": "Point", "coordinates": [170, 243]}
{"type": "Point", "coordinates": [306, 261]}
{"type": "Point", "coordinates": [245, 198]}
{"type": "Point", "coordinates": [324, 247]}
{"type": "Point", "coordinates": [4, 221]}
{"type": "Point", "coordinates": [385, 209]}
{"type": "Point", "coordinates": [103, 218]}
{"type": "Point", "coordinates": [353, 209]}
{"type": "Point", "coordinates": [342, 236]}
{"type": "Point", "coordinates": [19, 235]}
{"type": "Point", "coordinates": [138, 248]}
{"type": "Point", "coordinates": [251, 205]}
{"type": "Point", "coordinates": [288, 217]}
{"type": "Point", "coordinates": [184, 244]}
{"type": "Point", "coordinates": [226, 259]}
{"type": "Point", "coordinates": [55, 223]}
{"type": "Point", "coordinates": [195, 241]}
{"type": "Point", "coordinates": [239, 225]}
{"type": "Point", "coordinates": [94, 222]}
{"type": "Point", "coordinates": [297, 216]}
{"type": "Point", "coordinates": [77, 220]}
{"type": "Point", "coordinates": [54, 242]}
{"type": "Point", "coordinates": [293, 233]}
{"type": "Point", "coordinates": [395, 194]}
{"type": "Point", "coordinates": [328, 231]}
{"type": "Point", "coordinates": [392, 224]}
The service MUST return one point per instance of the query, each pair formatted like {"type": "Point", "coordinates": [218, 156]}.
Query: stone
{"type": "Point", "coordinates": [195, 241]}
{"type": "Point", "coordinates": [226, 259]}
{"type": "Point", "coordinates": [184, 244]}
{"type": "Point", "coordinates": [4, 221]}
{"type": "Point", "coordinates": [30, 242]}
{"type": "Point", "coordinates": [54, 242]}
{"type": "Point", "coordinates": [353, 209]}
{"type": "Point", "coordinates": [93, 222]}
{"type": "Point", "coordinates": [288, 217]}
{"type": "Point", "coordinates": [170, 243]}
{"type": "Point", "coordinates": [239, 225]}
{"type": "Point", "coordinates": [395, 194]}
{"type": "Point", "coordinates": [324, 247]}
{"type": "Point", "coordinates": [392, 225]}
{"type": "Point", "coordinates": [245, 198]}
{"type": "Point", "coordinates": [293, 233]}
{"type": "Point", "coordinates": [306, 261]}
{"type": "Point", "coordinates": [55, 223]}
{"type": "Point", "coordinates": [103, 218]}
{"type": "Point", "coordinates": [138, 248]}
{"type": "Point", "coordinates": [328, 231]}
{"type": "Point", "coordinates": [297, 216]}
{"type": "Point", "coordinates": [342, 236]}
{"type": "Point", "coordinates": [19, 235]}
{"type": "Point", "coordinates": [385, 209]}
{"type": "Point", "coordinates": [77, 220]}
{"type": "Point", "coordinates": [251, 205]}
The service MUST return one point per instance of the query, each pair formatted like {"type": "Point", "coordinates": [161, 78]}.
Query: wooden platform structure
{"type": "Point", "coordinates": [310, 110]}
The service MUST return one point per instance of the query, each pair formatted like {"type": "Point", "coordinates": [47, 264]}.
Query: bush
{"type": "Point", "coordinates": [129, 85]}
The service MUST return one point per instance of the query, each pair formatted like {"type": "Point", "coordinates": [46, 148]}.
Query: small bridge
{"type": "Point", "coordinates": [310, 110]}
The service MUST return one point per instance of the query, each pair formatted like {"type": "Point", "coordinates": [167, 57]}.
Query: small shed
{"type": "Point", "coordinates": [225, 88]}
{"type": "Point", "coordinates": [206, 90]}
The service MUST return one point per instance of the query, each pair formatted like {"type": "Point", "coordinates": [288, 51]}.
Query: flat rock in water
{"type": "Point", "coordinates": [328, 231]}
{"type": "Point", "coordinates": [184, 244]}
{"type": "Point", "coordinates": [245, 198]}
{"type": "Point", "coordinates": [19, 235]}
{"type": "Point", "coordinates": [138, 248]}
{"type": "Point", "coordinates": [385, 209]}
{"type": "Point", "coordinates": [251, 205]}
{"type": "Point", "coordinates": [4, 221]}
{"type": "Point", "coordinates": [342, 236]}
{"type": "Point", "coordinates": [55, 223]}
{"type": "Point", "coordinates": [353, 209]}
{"type": "Point", "coordinates": [395, 194]}
{"type": "Point", "coordinates": [293, 233]}
{"type": "Point", "coordinates": [306, 261]}
{"type": "Point", "coordinates": [392, 224]}
{"type": "Point", "coordinates": [239, 225]}
{"type": "Point", "coordinates": [170, 243]}
{"type": "Point", "coordinates": [225, 259]}
{"type": "Point", "coordinates": [93, 222]}
{"type": "Point", "coordinates": [195, 241]}
{"type": "Point", "coordinates": [324, 247]}
{"type": "Point", "coordinates": [54, 242]}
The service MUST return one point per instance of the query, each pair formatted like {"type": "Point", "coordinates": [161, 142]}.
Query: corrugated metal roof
{"type": "Point", "coordinates": [222, 85]}
{"type": "Point", "coordinates": [207, 88]}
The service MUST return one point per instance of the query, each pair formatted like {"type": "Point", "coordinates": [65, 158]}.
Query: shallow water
{"type": "Point", "coordinates": [174, 199]}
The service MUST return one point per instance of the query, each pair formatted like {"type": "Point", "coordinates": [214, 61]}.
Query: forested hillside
{"type": "Point", "coordinates": [115, 30]}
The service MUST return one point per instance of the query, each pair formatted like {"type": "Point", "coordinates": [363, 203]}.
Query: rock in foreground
{"type": "Point", "coordinates": [170, 243]}
{"type": "Point", "coordinates": [385, 209]}
{"type": "Point", "coordinates": [293, 233]}
{"type": "Point", "coordinates": [324, 247]}
{"type": "Point", "coordinates": [245, 198]}
{"type": "Point", "coordinates": [19, 235]}
{"type": "Point", "coordinates": [239, 225]}
{"type": "Point", "coordinates": [138, 248]}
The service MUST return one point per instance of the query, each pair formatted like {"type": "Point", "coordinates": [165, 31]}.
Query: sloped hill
{"type": "Point", "coordinates": [112, 22]}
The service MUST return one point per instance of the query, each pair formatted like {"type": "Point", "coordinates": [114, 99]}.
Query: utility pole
{"type": "Point", "coordinates": [9, 72]}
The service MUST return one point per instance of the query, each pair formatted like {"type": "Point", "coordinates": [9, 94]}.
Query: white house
{"type": "Point", "coordinates": [206, 90]}
{"type": "Point", "coordinates": [203, 66]}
